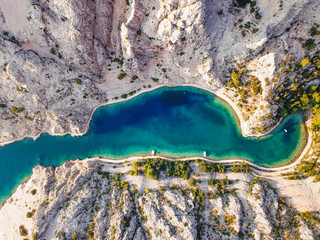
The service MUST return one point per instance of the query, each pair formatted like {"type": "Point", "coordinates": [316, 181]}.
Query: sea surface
{"type": "Point", "coordinates": [176, 122]}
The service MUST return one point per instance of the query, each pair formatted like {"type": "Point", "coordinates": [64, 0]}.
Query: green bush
{"type": "Point", "coordinates": [284, 112]}
{"type": "Point", "coordinates": [258, 16]}
{"type": "Point", "coordinates": [242, 167]}
{"type": "Point", "coordinates": [28, 118]}
{"type": "Point", "coordinates": [53, 51]}
{"type": "Point", "coordinates": [35, 236]}
{"type": "Point", "coordinates": [309, 44]}
{"type": "Point", "coordinates": [242, 3]}
{"type": "Point", "coordinates": [314, 31]}
{"type": "Point", "coordinates": [153, 168]}
{"type": "Point", "coordinates": [124, 96]}
{"type": "Point", "coordinates": [122, 75]}
{"type": "Point", "coordinates": [192, 182]}
{"type": "Point", "coordinates": [256, 86]}
{"type": "Point", "coordinates": [308, 217]}
{"type": "Point", "coordinates": [212, 167]}
{"type": "Point", "coordinates": [78, 81]}
{"type": "Point", "coordinates": [304, 62]}
{"type": "Point", "coordinates": [17, 110]}
{"type": "Point", "coordinates": [30, 214]}
{"type": "Point", "coordinates": [23, 231]}
{"type": "Point", "coordinates": [235, 77]}
{"type": "Point", "coordinates": [75, 236]}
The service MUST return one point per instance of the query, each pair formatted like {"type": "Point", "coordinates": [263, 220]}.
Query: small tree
{"type": "Point", "coordinates": [304, 62]}
{"type": "Point", "coordinates": [235, 77]}
{"type": "Point", "coordinates": [304, 101]}
{"type": "Point", "coordinates": [284, 112]}
{"type": "Point", "coordinates": [23, 231]}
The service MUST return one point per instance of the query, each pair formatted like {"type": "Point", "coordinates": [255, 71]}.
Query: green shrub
{"type": "Point", "coordinates": [28, 118]}
{"type": "Point", "coordinates": [192, 182]}
{"type": "Point", "coordinates": [235, 77]}
{"type": "Point", "coordinates": [17, 110]}
{"type": "Point", "coordinates": [30, 214]}
{"type": "Point", "coordinates": [317, 178]}
{"type": "Point", "coordinates": [14, 40]}
{"type": "Point", "coordinates": [258, 16]}
{"type": "Point", "coordinates": [78, 81]}
{"type": "Point", "coordinates": [122, 75]}
{"type": "Point", "coordinates": [132, 92]}
{"type": "Point", "coordinates": [314, 31]}
{"type": "Point", "coordinates": [256, 86]}
{"type": "Point", "coordinates": [309, 44]}
{"type": "Point", "coordinates": [35, 236]}
{"type": "Point", "coordinates": [23, 231]}
{"type": "Point", "coordinates": [284, 112]}
{"type": "Point", "coordinates": [304, 62]}
{"type": "Point", "coordinates": [211, 167]}
{"type": "Point", "coordinates": [33, 191]}
{"type": "Point", "coordinates": [153, 168]}
{"type": "Point", "coordinates": [242, 3]}
{"type": "Point", "coordinates": [242, 167]}
{"type": "Point", "coordinates": [53, 51]}
{"type": "Point", "coordinates": [308, 217]}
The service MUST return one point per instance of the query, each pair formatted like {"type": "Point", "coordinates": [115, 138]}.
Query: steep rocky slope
{"type": "Point", "coordinates": [61, 59]}
{"type": "Point", "coordinates": [94, 200]}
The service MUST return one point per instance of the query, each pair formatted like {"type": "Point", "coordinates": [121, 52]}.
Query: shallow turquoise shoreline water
{"type": "Point", "coordinates": [176, 122]}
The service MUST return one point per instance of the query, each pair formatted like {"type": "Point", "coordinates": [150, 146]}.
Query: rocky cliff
{"type": "Point", "coordinates": [61, 59]}
{"type": "Point", "coordinates": [94, 200]}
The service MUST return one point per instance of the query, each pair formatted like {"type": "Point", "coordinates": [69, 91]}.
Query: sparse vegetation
{"type": "Point", "coordinates": [78, 81]}
{"type": "Point", "coordinates": [30, 214]}
{"type": "Point", "coordinates": [211, 167]}
{"type": "Point", "coordinates": [17, 110]}
{"type": "Point", "coordinates": [154, 167]}
{"type": "Point", "coordinates": [122, 75]}
{"type": "Point", "coordinates": [23, 231]}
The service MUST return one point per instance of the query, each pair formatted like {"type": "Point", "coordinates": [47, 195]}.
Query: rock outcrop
{"type": "Point", "coordinates": [93, 200]}
{"type": "Point", "coordinates": [62, 59]}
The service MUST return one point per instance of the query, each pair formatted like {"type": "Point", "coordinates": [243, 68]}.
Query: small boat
{"type": "Point", "coordinates": [285, 130]}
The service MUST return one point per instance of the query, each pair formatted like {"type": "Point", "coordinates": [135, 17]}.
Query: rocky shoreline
{"type": "Point", "coordinates": [105, 201]}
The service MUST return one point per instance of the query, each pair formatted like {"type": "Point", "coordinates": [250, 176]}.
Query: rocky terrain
{"type": "Point", "coordinates": [62, 59]}
{"type": "Point", "coordinates": [91, 199]}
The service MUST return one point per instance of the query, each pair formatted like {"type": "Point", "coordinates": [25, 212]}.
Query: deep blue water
{"type": "Point", "coordinates": [176, 122]}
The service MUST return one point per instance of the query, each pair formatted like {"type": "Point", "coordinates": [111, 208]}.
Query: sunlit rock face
{"type": "Point", "coordinates": [93, 199]}
{"type": "Point", "coordinates": [61, 59]}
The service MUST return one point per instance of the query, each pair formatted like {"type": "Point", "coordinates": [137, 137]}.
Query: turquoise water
{"type": "Point", "coordinates": [177, 122]}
